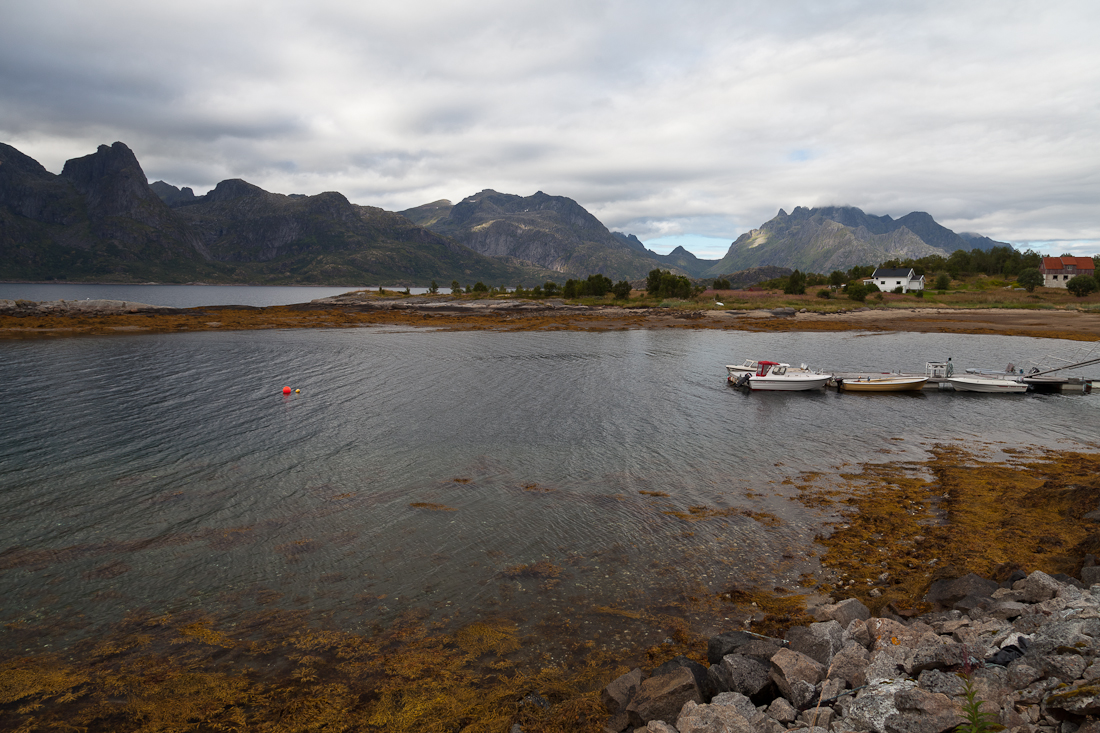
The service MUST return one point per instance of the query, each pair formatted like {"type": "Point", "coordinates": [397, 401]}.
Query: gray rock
{"type": "Point", "coordinates": [617, 695]}
{"type": "Point", "coordinates": [920, 711]}
{"type": "Point", "coordinates": [858, 632]}
{"type": "Point", "coordinates": [1083, 700]}
{"type": "Point", "coordinates": [742, 704]}
{"type": "Point", "coordinates": [743, 675]}
{"type": "Point", "coordinates": [727, 643]}
{"type": "Point", "coordinates": [871, 707]}
{"type": "Point", "coordinates": [788, 668]}
{"type": "Point", "coordinates": [931, 653]}
{"type": "Point", "coordinates": [1065, 666]}
{"type": "Point", "coordinates": [707, 690]}
{"type": "Point", "coordinates": [782, 711]}
{"type": "Point", "coordinates": [1090, 575]}
{"type": "Point", "coordinates": [696, 718]}
{"type": "Point", "coordinates": [1021, 675]}
{"type": "Point", "coordinates": [660, 698]}
{"type": "Point", "coordinates": [946, 593]}
{"type": "Point", "coordinates": [850, 664]}
{"type": "Point", "coordinates": [820, 641]}
{"type": "Point", "coordinates": [1038, 587]}
{"type": "Point", "coordinates": [843, 613]}
{"type": "Point", "coordinates": [944, 683]}
{"type": "Point", "coordinates": [658, 726]}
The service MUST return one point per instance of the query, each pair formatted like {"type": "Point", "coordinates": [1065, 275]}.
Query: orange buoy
{"type": "Point", "coordinates": [286, 390]}
{"type": "Point", "coordinates": [297, 391]}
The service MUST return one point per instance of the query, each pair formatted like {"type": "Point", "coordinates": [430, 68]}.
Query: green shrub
{"type": "Point", "coordinates": [918, 293]}
{"type": "Point", "coordinates": [480, 287]}
{"type": "Point", "coordinates": [621, 290]}
{"type": "Point", "coordinates": [721, 284]}
{"type": "Point", "coordinates": [1082, 285]}
{"type": "Point", "coordinates": [824, 294]}
{"type": "Point", "coordinates": [899, 290]}
{"type": "Point", "coordinates": [1029, 278]}
{"type": "Point", "coordinates": [857, 292]}
{"type": "Point", "coordinates": [943, 282]}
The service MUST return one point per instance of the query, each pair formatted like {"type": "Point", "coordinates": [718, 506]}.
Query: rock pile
{"type": "Point", "coordinates": [1027, 650]}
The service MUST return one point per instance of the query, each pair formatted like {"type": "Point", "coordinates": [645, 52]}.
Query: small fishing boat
{"type": "Point", "coordinates": [894, 383]}
{"type": "Point", "coordinates": [778, 377]}
{"type": "Point", "coordinates": [994, 385]}
{"type": "Point", "coordinates": [749, 366]}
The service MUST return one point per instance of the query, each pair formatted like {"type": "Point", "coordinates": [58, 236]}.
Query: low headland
{"type": "Point", "coordinates": [1050, 314]}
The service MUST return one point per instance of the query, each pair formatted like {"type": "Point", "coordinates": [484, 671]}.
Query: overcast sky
{"type": "Point", "coordinates": [676, 121]}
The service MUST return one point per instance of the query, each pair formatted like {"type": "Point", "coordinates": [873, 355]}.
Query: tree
{"type": "Point", "coordinates": [1029, 279]}
{"type": "Point", "coordinates": [663, 284]}
{"type": "Point", "coordinates": [943, 282]}
{"type": "Point", "coordinates": [1082, 285]}
{"type": "Point", "coordinates": [433, 288]}
{"type": "Point", "coordinates": [550, 288]}
{"type": "Point", "coordinates": [796, 284]}
{"type": "Point", "coordinates": [455, 287]}
{"type": "Point", "coordinates": [480, 287]}
{"type": "Point", "coordinates": [621, 290]}
{"type": "Point", "coordinates": [857, 291]}
{"type": "Point", "coordinates": [721, 284]}
{"type": "Point", "coordinates": [837, 278]}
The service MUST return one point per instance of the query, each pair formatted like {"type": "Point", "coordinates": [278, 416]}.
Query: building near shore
{"type": "Point", "coordinates": [1057, 271]}
{"type": "Point", "coordinates": [891, 278]}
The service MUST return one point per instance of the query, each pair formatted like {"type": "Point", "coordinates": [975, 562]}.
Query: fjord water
{"type": "Point", "coordinates": [420, 469]}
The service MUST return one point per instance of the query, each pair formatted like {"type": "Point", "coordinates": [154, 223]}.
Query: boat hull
{"type": "Point", "coordinates": [883, 384]}
{"type": "Point", "coordinates": [787, 384]}
{"type": "Point", "coordinates": [987, 385]}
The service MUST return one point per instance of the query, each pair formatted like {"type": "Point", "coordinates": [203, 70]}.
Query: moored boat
{"type": "Point", "coordinates": [989, 385]}
{"type": "Point", "coordinates": [749, 366]}
{"type": "Point", "coordinates": [896, 383]}
{"type": "Point", "coordinates": [777, 377]}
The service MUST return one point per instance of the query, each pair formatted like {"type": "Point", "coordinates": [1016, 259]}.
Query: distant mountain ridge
{"type": "Point", "coordinates": [550, 231]}
{"type": "Point", "coordinates": [838, 237]}
{"type": "Point", "coordinates": [101, 220]}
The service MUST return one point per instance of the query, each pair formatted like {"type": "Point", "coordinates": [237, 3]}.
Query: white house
{"type": "Point", "coordinates": [888, 279]}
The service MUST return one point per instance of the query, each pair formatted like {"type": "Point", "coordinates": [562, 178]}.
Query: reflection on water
{"type": "Point", "coordinates": [529, 475]}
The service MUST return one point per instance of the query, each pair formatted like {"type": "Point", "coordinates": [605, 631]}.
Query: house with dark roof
{"type": "Point", "coordinates": [1057, 271]}
{"type": "Point", "coordinates": [889, 279]}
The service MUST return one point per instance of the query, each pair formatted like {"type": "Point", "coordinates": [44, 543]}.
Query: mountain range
{"type": "Point", "coordinates": [101, 219]}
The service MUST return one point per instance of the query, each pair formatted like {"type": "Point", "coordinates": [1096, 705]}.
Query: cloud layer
{"type": "Point", "coordinates": [663, 119]}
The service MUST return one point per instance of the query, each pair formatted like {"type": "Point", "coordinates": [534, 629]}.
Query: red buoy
{"type": "Point", "coordinates": [286, 390]}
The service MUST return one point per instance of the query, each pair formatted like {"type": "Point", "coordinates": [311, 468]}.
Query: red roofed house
{"type": "Point", "coordinates": [1057, 271]}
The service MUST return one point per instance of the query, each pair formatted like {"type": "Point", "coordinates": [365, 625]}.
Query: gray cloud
{"type": "Point", "coordinates": [695, 118]}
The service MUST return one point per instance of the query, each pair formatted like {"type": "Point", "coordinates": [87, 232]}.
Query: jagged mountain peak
{"type": "Point", "coordinates": [234, 188]}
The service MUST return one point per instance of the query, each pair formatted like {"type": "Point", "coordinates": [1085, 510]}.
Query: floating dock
{"type": "Point", "coordinates": [1068, 385]}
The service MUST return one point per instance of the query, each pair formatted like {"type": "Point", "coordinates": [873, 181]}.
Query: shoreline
{"type": "Point", "coordinates": [28, 319]}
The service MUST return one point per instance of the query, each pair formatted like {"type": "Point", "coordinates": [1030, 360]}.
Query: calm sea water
{"type": "Point", "coordinates": [169, 472]}
{"type": "Point", "coordinates": [178, 296]}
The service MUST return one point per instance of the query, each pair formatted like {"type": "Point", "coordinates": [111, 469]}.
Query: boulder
{"type": "Point", "coordinates": [843, 613]}
{"type": "Point", "coordinates": [727, 643]}
{"type": "Point", "coordinates": [820, 641]}
{"type": "Point", "coordinates": [871, 707]}
{"type": "Point", "coordinates": [707, 688]}
{"type": "Point", "coordinates": [920, 711]}
{"type": "Point", "coordinates": [1083, 700]}
{"type": "Point", "coordinates": [617, 695]}
{"type": "Point", "coordinates": [662, 697]}
{"type": "Point", "coordinates": [946, 593]}
{"type": "Point", "coordinates": [696, 718]}
{"type": "Point", "coordinates": [792, 671]}
{"type": "Point", "coordinates": [850, 664]}
{"type": "Point", "coordinates": [743, 675]}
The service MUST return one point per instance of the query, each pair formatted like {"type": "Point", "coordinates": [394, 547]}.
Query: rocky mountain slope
{"type": "Point", "coordinates": [101, 220]}
{"type": "Point", "coordinates": [550, 231]}
{"type": "Point", "coordinates": [838, 237]}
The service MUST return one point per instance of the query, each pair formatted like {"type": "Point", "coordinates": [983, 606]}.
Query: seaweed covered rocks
{"type": "Point", "coordinates": [1025, 654]}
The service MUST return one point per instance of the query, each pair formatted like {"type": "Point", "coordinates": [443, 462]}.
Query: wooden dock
{"type": "Point", "coordinates": [1067, 385]}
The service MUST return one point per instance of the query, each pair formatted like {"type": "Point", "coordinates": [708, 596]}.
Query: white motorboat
{"type": "Point", "coordinates": [750, 366]}
{"type": "Point", "coordinates": [777, 377]}
{"type": "Point", "coordinates": [994, 385]}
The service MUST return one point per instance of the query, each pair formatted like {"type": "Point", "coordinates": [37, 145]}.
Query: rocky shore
{"type": "Point", "coordinates": [1025, 653]}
